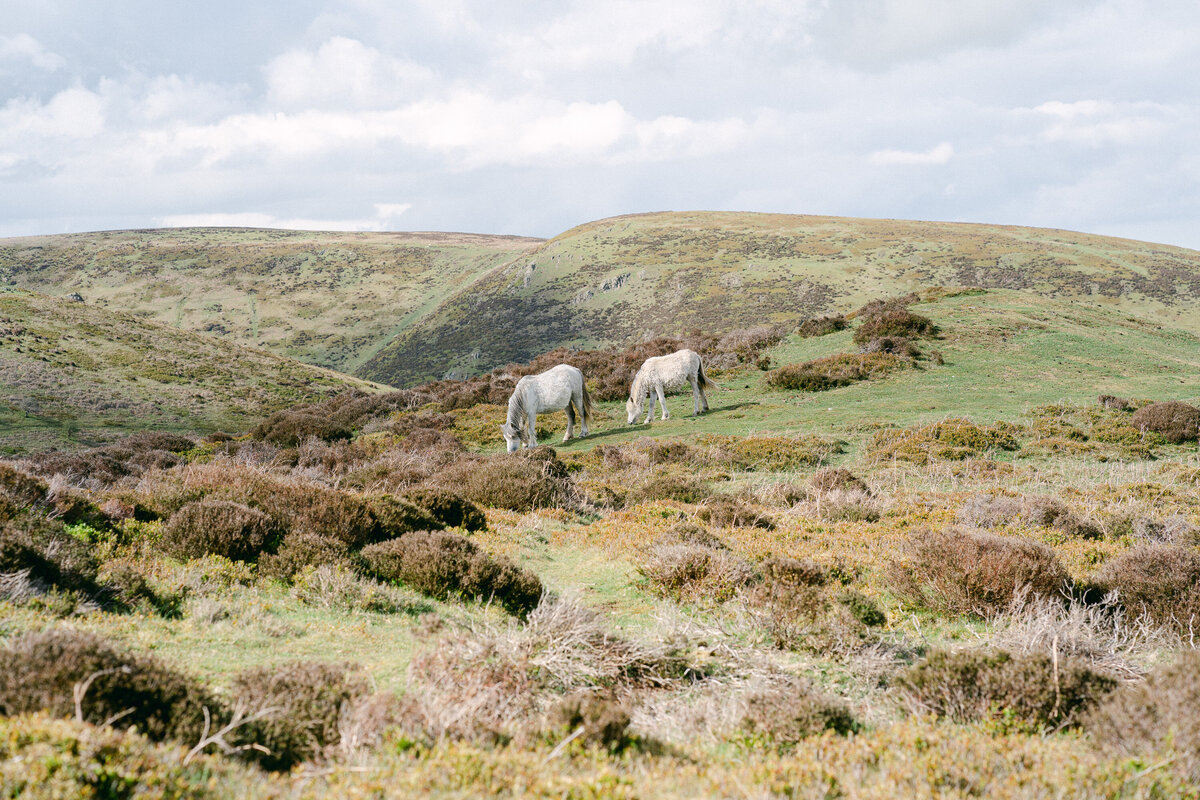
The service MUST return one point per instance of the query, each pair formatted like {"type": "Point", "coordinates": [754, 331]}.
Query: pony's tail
{"type": "Point", "coordinates": [587, 404]}
{"type": "Point", "coordinates": [705, 381]}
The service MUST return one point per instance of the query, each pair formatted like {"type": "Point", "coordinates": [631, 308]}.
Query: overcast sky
{"type": "Point", "coordinates": [532, 117]}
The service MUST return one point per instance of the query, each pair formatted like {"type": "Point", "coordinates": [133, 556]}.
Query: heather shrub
{"type": "Point", "coordinates": [47, 556]}
{"type": "Point", "coordinates": [604, 720]}
{"type": "Point", "coordinates": [397, 516]}
{"type": "Point", "coordinates": [694, 572]}
{"type": "Point", "coordinates": [339, 588]}
{"type": "Point", "coordinates": [38, 672]}
{"type": "Point", "coordinates": [790, 599]}
{"type": "Point", "coordinates": [833, 371]}
{"type": "Point", "coordinates": [668, 486]}
{"type": "Point", "coordinates": [896, 322]}
{"type": "Point", "coordinates": [828, 480]}
{"type": "Point", "coordinates": [307, 700]}
{"type": "Point", "coordinates": [786, 714]}
{"type": "Point", "coordinates": [895, 345]}
{"type": "Point", "coordinates": [1159, 581]}
{"type": "Point", "coordinates": [1157, 720]}
{"type": "Point", "coordinates": [1036, 689]}
{"type": "Point", "coordinates": [725, 511]}
{"type": "Point", "coordinates": [1176, 422]}
{"type": "Point", "coordinates": [96, 466]}
{"type": "Point", "coordinates": [219, 527]}
{"type": "Point", "coordinates": [973, 572]}
{"type": "Point", "coordinates": [820, 326]}
{"type": "Point", "coordinates": [690, 532]}
{"type": "Point", "coordinates": [21, 489]}
{"type": "Point", "coordinates": [1114, 403]}
{"type": "Point", "coordinates": [450, 509]}
{"type": "Point", "coordinates": [303, 549]}
{"type": "Point", "coordinates": [318, 509]}
{"type": "Point", "coordinates": [441, 564]}
{"type": "Point", "coordinates": [991, 510]}
{"type": "Point", "coordinates": [521, 481]}
{"type": "Point", "coordinates": [290, 427]}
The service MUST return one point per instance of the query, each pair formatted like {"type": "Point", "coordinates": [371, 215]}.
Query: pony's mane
{"type": "Point", "coordinates": [518, 412]}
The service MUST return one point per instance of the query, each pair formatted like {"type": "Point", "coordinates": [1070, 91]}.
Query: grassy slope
{"type": "Point", "coordinates": [628, 277]}
{"type": "Point", "coordinates": [72, 373]}
{"type": "Point", "coordinates": [323, 298]}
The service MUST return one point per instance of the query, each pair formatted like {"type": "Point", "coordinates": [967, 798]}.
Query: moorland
{"type": "Point", "coordinates": [939, 535]}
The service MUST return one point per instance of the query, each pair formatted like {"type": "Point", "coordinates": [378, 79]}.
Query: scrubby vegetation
{"type": "Point", "coordinates": [855, 592]}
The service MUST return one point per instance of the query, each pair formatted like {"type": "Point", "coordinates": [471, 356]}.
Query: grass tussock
{"type": "Point", "coordinates": [958, 571]}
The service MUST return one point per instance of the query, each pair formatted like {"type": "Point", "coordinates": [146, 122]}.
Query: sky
{"type": "Point", "coordinates": [532, 117]}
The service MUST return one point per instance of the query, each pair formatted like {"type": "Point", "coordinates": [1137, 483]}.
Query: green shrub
{"type": "Point", "coordinates": [219, 527]}
{"type": "Point", "coordinates": [308, 699]}
{"type": "Point", "coordinates": [1160, 581]}
{"type": "Point", "coordinates": [126, 584]}
{"type": "Point", "coordinates": [973, 572]}
{"type": "Point", "coordinates": [669, 486]}
{"type": "Point", "coordinates": [441, 564]}
{"type": "Point", "coordinates": [1176, 422]}
{"type": "Point", "coordinates": [1032, 688]}
{"type": "Point", "coordinates": [38, 672]}
{"type": "Point", "coordinates": [1157, 720]}
{"type": "Point", "coordinates": [450, 508]}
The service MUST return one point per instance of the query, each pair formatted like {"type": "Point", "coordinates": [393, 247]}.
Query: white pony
{"type": "Point", "coordinates": [557, 387]}
{"type": "Point", "coordinates": [666, 372]}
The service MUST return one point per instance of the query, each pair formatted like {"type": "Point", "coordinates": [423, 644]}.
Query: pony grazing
{"type": "Point", "coordinates": [666, 372]}
{"type": "Point", "coordinates": [557, 387]}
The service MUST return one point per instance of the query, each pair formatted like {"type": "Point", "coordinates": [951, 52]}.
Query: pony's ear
{"type": "Point", "coordinates": [507, 430]}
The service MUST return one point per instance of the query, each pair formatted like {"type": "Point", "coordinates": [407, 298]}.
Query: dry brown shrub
{"type": "Point", "coordinates": [1039, 690]}
{"type": "Point", "coordinates": [725, 511]}
{"type": "Point", "coordinates": [828, 480]}
{"type": "Point", "coordinates": [894, 322]}
{"type": "Point", "coordinates": [973, 572]}
{"type": "Point", "coordinates": [305, 701]}
{"type": "Point", "coordinates": [1160, 581]}
{"type": "Point", "coordinates": [1157, 720]}
{"type": "Point", "coordinates": [521, 481]}
{"type": "Point", "coordinates": [786, 713]}
{"type": "Point", "coordinates": [690, 532]}
{"type": "Point", "coordinates": [39, 672]}
{"type": "Point", "coordinates": [668, 486]}
{"type": "Point", "coordinates": [500, 685]}
{"type": "Point", "coordinates": [765, 453]}
{"type": "Point", "coordinates": [219, 527]}
{"type": "Point", "coordinates": [449, 508]}
{"type": "Point", "coordinates": [821, 326]}
{"type": "Point", "coordinates": [693, 572]}
{"type": "Point", "coordinates": [1176, 422]}
{"type": "Point", "coordinates": [992, 510]}
{"type": "Point", "coordinates": [441, 564]}
{"type": "Point", "coordinates": [895, 345]}
{"type": "Point", "coordinates": [1114, 403]}
{"type": "Point", "coordinates": [830, 372]}
{"type": "Point", "coordinates": [594, 719]}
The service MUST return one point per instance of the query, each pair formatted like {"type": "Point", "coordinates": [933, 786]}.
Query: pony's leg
{"type": "Point", "coordinates": [531, 426]}
{"type": "Point", "coordinates": [583, 417]}
{"type": "Point", "coordinates": [650, 410]}
{"type": "Point", "coordinates": [570, 422]}
{"type": "Point", "coordinates": [662, 401]}
{"type": "Point", "coordinates": [695, 397]}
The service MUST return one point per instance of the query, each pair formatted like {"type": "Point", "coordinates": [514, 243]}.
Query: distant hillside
{"type": "Point", "coordinates": [629, 277]}
{"type": "Point", "coordinates": [73, 374]}
{"type": "Point", "coordinates": [324, 298]}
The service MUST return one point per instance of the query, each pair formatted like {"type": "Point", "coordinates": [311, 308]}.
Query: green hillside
{"type": "Point", "coordinates": [629, 277]}
{"type": "Point", "coordinates": [324, 298]}
{"type": "Point", "coordinates": [72, 373]}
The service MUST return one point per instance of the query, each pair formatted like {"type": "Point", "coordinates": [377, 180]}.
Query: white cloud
{"type": "Point", "coordinates": [25, 48]}
{"type": "Point", "coordinates": [253, 219]}
{"type": "Point", "coordinates": [1095, 123]}
{"type": "Point", "coordinates": [70, 114]}
{"type": "Point", "coordinates": [940, 154]}
{"type": "Point", "coordinates": [342, 72]}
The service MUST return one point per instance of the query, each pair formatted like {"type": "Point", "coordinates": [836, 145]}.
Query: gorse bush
{"type": "Point", "coordinates": [219, 527]}
{"type": "Point", "coordinates": [973, 572]}
{"type": "Point", "coordinates": [443, 564]}
{"type": "Point", "coordinates": [1176, 422]}
{"type": "Point", "coordinates": [38, 672]}
{"type": "Point", "coordinates": [1032, 688]}
{"type": "Point", "coordinates": [1159, 581]}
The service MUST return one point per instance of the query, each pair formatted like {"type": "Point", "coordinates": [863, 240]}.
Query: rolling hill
{"type": "Point", "coordinates": [73, 374]}
{"type": "Point", "coordinates": [328, 299]}
{"type": "Point", "coordinates": [630, 277]}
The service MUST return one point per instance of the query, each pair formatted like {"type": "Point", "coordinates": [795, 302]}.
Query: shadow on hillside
{"type": "Point", "coordinates": [732, 406]}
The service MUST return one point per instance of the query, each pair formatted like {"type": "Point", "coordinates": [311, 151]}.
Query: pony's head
{"type": "Point", "coordinates": [513, 436]}
{"type": "Point", "coordinates": [634, 408]}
